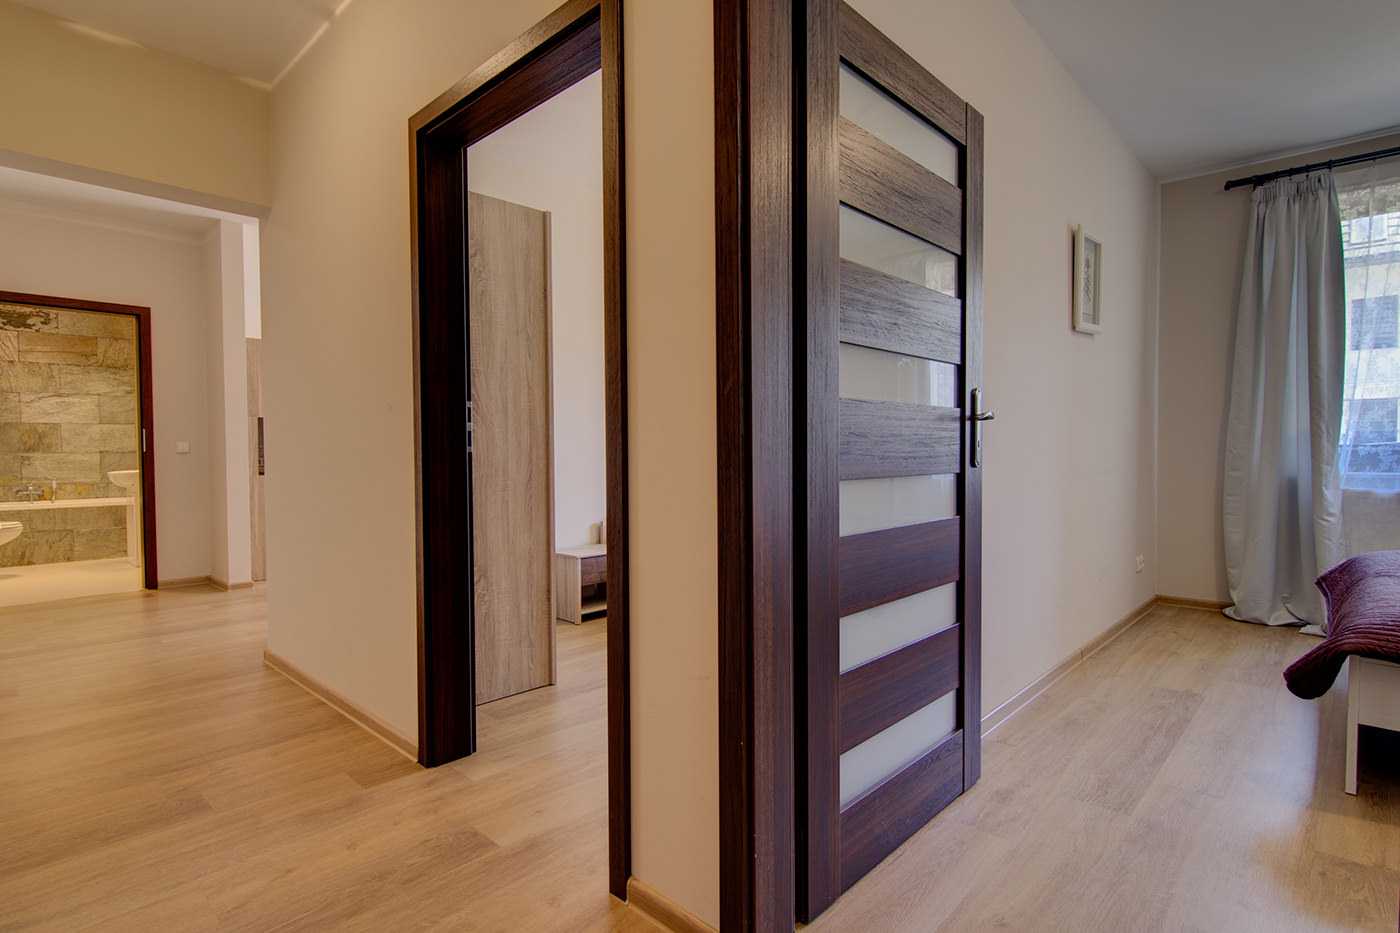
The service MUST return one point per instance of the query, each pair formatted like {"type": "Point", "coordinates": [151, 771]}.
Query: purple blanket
{"type": "Point", "coordinates": [1363, 618]}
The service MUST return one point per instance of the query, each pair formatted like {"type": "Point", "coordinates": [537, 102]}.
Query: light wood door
{"type": "Point", "coordinates": [511, 460]}
{"type": "Point", "coordinates": [888, 693]}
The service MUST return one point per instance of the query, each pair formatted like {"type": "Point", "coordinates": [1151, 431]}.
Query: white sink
{"type": "Point", "coordinates": [126, 479]}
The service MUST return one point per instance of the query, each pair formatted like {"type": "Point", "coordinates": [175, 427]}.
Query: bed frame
{"type": "Point", "coordinates": [1373, 699]}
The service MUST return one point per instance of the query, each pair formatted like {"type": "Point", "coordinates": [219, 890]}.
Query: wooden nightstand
{"type": "Point", "coordinates": [581, 582]}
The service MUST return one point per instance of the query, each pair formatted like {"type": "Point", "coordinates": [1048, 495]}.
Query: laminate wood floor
{"type": "Point", "coordinates": [1169, 783]}
{"type": "Point", "coordinates": [155, 775]}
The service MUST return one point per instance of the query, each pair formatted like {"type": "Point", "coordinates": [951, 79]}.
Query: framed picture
{"type": "Point", "coordinates": [1088, 276]}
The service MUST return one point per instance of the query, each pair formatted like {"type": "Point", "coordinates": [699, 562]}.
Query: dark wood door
{"type": "Point", "coordinates": [890, 529]}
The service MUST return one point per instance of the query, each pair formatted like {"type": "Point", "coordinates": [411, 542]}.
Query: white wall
{"type": "Point", "coordinates": [168, 273]}
{"type": "Point", "coordinates": [1203, 234]}
{"type": "Point", "coordinates": [339, 380]}
{"type": "Point", "coordinates": [231, 275]}
{"type": "Point", "coordinates": [551, 159]}
{"type": "Point", "coordinates": [1068, 482]}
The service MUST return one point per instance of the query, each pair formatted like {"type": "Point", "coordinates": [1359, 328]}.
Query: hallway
{"type": "Point", "coordinates": [154, 774]}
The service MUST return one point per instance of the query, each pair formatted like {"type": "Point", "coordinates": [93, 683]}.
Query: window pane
{"type": "Point", "coordinates": [877, 504]}
{"type": "Point", "coordinates": [886, 753]}
{"type": "Point", "coordinates": [1375, 323]}
{"type": "Point", "coordinates": [1370, 445]}
{"type": "Point", "coordinates": [866, 104]}
{"type": "Point", "coordinates": [882, 376]}
{"type": "Point", "coordinates": [890, 250]}
{"type": "Point", "coordinates": [869, 634]}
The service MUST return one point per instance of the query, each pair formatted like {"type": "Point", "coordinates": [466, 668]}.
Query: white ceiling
{"type": "Point", "coordinates": [254, 39]}
{"type": "Point", "coordinates": [1195, 85]}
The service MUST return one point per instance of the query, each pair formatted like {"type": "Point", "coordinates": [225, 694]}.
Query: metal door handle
{"type": "Point", "coordinates": [977, 417]}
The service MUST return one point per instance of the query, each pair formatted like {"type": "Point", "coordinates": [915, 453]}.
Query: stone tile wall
{"type": "Point", "coordinates": [68, 415]}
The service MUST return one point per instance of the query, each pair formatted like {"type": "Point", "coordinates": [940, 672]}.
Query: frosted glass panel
{"type": "Point", "coordinates": [880, 114]}
{"type": "Point", "coordinates": [886, 753]}
{"type": "Point", "coordinates": [869, 634]}
{"type": "Point", "coordinates": [882, 376]}
{"type": "Point", "coordinates": [892, 251]}
{"type": "Point", "coordinates": [876, 504]}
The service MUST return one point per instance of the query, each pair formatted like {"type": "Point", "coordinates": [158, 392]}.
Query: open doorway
{"type": "Point", "coordinates": [126, 390]}
{"type": "Point", "coordinates": [520, 343]}
{"type": "Point", "coordinates": [77, 513]}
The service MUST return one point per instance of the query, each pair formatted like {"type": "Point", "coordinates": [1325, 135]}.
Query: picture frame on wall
{"type": "Point", "coordinates": [1088, 278]}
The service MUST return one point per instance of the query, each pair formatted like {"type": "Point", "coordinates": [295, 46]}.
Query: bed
{"type": "Point", "coordinates": [1363, 634]}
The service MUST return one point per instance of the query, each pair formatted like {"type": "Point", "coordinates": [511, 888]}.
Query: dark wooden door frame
{"type": "Point", "coordinates": [147, 378]}
{"type": "Point", "coordinates": [755, 286]}
{"type": "Point", "coordinates": [574, 41]}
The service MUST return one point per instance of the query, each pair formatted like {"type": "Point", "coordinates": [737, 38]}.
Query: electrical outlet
{"type": "Point", "coordinates": [1141, 563]}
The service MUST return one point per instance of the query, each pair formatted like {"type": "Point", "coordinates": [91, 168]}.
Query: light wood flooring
{"type": "Point", "coordinates": [1169, 783]}
{"type": "Point", "coordinates": [155, 776]}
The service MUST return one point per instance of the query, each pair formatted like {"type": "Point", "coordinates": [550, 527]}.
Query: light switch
{"type": "Point", "coordinates": [182, 447]}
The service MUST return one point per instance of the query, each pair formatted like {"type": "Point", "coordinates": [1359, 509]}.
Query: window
{"type": "Point", "coordinates": [1374, 421]}
{"type": "Point", "coordinates": [1375, 323]}
{"type": "Point", "coordinates": [1370, 436]}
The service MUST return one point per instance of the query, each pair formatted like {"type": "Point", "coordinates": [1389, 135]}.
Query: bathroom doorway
{"type": "Point", "coordinates": [77, 441]}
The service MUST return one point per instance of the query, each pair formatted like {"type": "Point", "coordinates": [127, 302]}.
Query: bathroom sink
{"type": "Point", "coordinates": [126, 479]}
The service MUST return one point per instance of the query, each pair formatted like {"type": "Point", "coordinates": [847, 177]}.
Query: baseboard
{"type": "Point", "coordinates": [226, 587]}
{"type": "Point", "coordinates": [1188, 602]}
{"type": "Point", "coordinates": [1018, 702]}
{"type": "Point", "coordinates": [661, 910]}
{"type": "Point", "coordinates": [175, 583]}
{"type": "Point", "coordinates": [360, 717]}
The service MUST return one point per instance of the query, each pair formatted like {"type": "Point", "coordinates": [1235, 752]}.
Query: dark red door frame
{"type": "Point", "coordinates": [755, 291]}
{"type": "Point", "coordinates": [146, 375]}
{"type": "Point", "coordinates": [577, 39]}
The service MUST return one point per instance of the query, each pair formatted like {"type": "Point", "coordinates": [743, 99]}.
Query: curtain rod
{"type": "Point", "coordinates": [1257, 180]}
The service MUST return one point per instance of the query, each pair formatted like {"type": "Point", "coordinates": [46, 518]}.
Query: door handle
{"type": "Point", "coordinates": [978, 417]}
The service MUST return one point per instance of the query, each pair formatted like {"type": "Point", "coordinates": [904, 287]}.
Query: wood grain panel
{"type": "Point", "coordinates": [881, 566]}
{"type": "Point", "coordinates": [970, 501]}
{"type": "Point", "coordinates": [885, 183]}
{"type": "Point", "coordinates": [876, 823]}
{"type": "Point", "coordinates": [754, 297]}
{"type": "Point", "coordinates": [816, 525]}
{"type": "Point", "coordinates": [873, 53]}
{"type": "Point", "coordinates": [888, 313]}
{"type": "Point", "coordinates": [881, 439]}
{"type": "Point", "coordinates": [594, 570]}
{"type": "Point", "coordinates": [565, 59]}
{"type": "Point", "coordinates": [512, 522]}
{"type": "Point", "coordinates": [615, 401]}
{"type": "Point", "coordinates": [881, 692]}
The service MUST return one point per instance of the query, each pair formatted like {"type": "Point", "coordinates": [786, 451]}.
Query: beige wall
{"type": "Point", "coordinates": [1068, 480]}
{"type": "Point", "coordinates": [127, 110]}
{"type": "Point", "coordinates": [1203, 233]}
{"type": "Point", "coordinates": [45, 255]}
{"type": "Point", "coordinates": [339, 365]}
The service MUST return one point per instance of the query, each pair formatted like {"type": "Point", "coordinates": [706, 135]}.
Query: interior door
{"type": "Point", "coordinates": [511, 460]}
{"type": "Point", "coordinates": [889, 654]}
